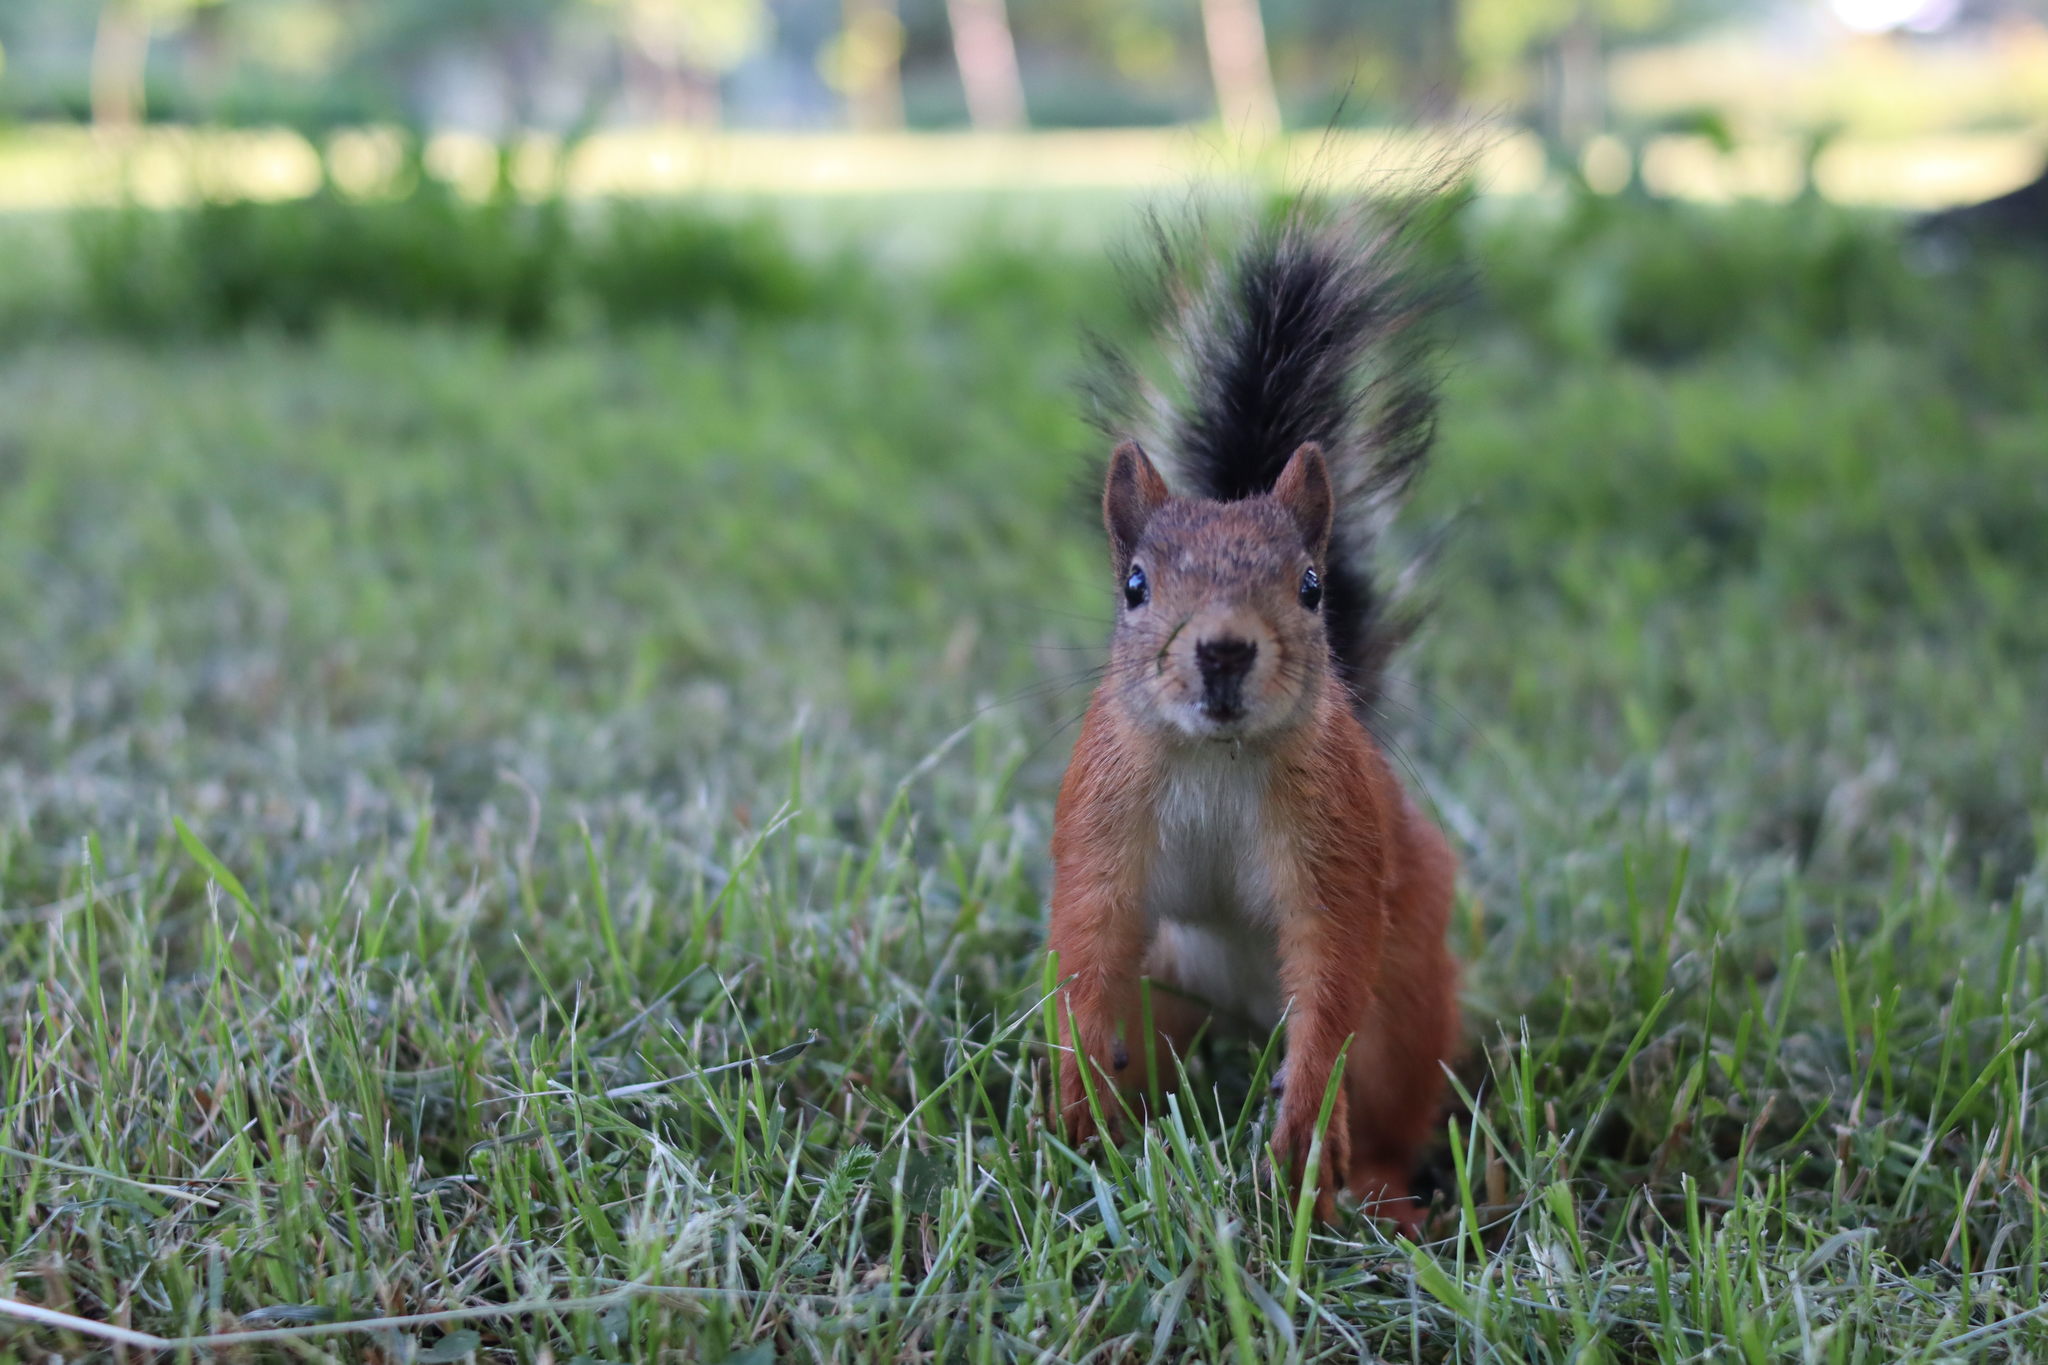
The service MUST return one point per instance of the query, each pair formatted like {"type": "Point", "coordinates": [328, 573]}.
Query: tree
{"type": "Point", "coordinates": [398, 43]}
{"type": "Point", "coordinates": [120, 59]}
{"type": "Point", "coordinates": [987, 56]}
{"type": "Point", "coordinates": [864, 63]}
{"type": "Point", "coordinates": [690, 45]}
{"type": "Point", "coordinates": [1567, 39]}
{"type": "Point", "coordinates": [1245, 100]}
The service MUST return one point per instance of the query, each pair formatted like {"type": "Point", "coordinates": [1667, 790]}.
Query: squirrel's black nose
{"type": "Point", "coordinates": [1225, 657]}
{"type": "Point", "coordinates": [1224, 662]}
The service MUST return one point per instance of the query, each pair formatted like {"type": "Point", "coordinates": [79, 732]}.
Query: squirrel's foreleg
{"type": "Point", "coordinates": [1326, 968]}
{"type": "Point", "coordinates": [1099, 937]}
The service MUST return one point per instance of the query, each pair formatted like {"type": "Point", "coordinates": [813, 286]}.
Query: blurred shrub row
{"type": "Point", "coordinates": [423, 251]}
{"type": "Point", "coordinates": [1662, 282]}
{"type": "Point", "coordinates": [1594, 277]}
{"type": "Point", "coordinates": [431, 255]}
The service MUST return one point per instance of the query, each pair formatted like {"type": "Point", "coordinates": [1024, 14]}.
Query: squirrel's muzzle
{"type": "Point", "coordinates": [1224, 662]}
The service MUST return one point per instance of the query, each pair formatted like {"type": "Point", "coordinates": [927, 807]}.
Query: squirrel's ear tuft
{"type": "Point", "coordinates": [1304, 490]}
{"type": "Point", "coordinates": [1132, 493]}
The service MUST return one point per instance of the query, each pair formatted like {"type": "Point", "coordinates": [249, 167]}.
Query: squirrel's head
{"type": "Point", "coordinates": [1219, 631]}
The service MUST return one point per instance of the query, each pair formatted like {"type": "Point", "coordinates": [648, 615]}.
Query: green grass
{"type": "Point", "coordinates": [429, 765]}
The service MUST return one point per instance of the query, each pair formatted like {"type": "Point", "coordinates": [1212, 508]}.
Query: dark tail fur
{"type": "Point", "coordinates": [1306, 330]}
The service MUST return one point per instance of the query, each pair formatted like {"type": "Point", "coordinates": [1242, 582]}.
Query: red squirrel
{"type": "Point", "coordinates": [1228, 827]}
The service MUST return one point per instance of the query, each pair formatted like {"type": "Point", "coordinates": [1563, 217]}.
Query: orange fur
{"type": "Point", "coordinates": [1352, 886]}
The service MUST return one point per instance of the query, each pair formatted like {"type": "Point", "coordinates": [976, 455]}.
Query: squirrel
{"type": "Point", "coordinates": [1228, 828]}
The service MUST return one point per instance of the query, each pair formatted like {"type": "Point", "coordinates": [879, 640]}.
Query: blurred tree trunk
{"type": "Point", "coordinates": [692, 97]}
{"type": "Point", "coordinates": [120, 57]}
{"type": "Point", "coordinates": [1574, 88]}
{"type": "Point", "coordinates": [1236, 36]}
{"type": "Point", "coordinates": [521, 53]}
{"type": "Point", "coordinates": [678, 51]}
{"type": "Point", "coordinates": [668, 90]}
{"type": "Point", "coordinates": [870, 63]}
{"type": "Point", "coordinates": [209, 54]}
{"type": "Point", "coordinates": [987, 55]}
{"type": "Point", "coordinates": [1437, 76]}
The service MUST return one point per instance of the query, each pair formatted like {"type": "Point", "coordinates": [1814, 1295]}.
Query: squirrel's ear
{"type": "Point", "coordinates": [1132, 493]}
{"type": "Point", "coordinates": [1304, 490]}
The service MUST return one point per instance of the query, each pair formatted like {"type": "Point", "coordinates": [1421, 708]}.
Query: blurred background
{"type": "Point", "coordinates": [578, 508]}
{"type": "Point", "coordinates": [899, 122]}
{"type": "Point", "coordinates": [730, 344]}
{"type": "Point", "coordinates": [1908, 102]}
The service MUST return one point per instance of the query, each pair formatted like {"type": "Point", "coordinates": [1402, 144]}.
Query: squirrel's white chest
{"type": "Point", "coordinates": [1210, 896]}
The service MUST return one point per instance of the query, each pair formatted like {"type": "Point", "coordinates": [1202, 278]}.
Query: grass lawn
{"type": "Point", "coordinates": [431, 767]}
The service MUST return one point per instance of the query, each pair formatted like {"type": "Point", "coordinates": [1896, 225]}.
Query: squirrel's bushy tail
{"type": "Point", "coordinates": [1305, 330]}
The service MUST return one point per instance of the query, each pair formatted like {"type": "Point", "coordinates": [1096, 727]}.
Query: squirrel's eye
{"type": "Point", "coordinates": [1311, 589]}
{"type": "Point", "coordinates": [1136, 589]}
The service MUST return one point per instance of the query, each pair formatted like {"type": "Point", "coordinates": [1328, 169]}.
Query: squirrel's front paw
{"type": "Point", "coordinates": [1293, 1143]}
{"type": "Point", "coordinates": [1077, 1115]}
{"type": "Point", "coordinates": [1075, 1119]}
